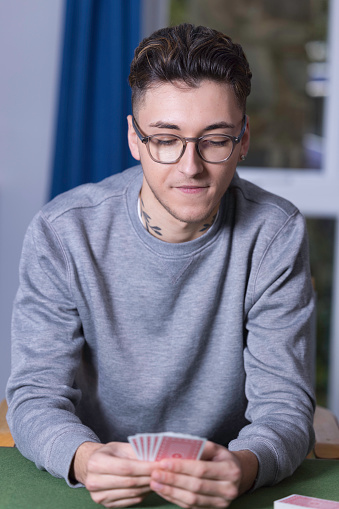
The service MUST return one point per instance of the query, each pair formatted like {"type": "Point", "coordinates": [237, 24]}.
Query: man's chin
{"type": "Point", "coordinates": [190, 217]}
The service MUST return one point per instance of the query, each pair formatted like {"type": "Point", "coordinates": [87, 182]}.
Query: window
{"type": "Point", "coordinates": [285, 43]}
{"type": "Point", "coordinates": [292, 47]}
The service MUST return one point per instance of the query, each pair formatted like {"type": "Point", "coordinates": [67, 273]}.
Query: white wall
{"type": "Point", "coordinates": [30, 42]}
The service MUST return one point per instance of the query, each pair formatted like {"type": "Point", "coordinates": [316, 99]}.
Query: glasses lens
{"type": "Point", "coordinates": [215, 148]}
{"type": "Point", "coordinates": [165, 149]}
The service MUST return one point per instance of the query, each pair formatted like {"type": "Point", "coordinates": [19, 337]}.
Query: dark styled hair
{"type": "Point", "coordinates": [189, 54]}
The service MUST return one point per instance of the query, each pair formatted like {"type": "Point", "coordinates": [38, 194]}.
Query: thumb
{"type": "Point", "coordinates": [215, 452]}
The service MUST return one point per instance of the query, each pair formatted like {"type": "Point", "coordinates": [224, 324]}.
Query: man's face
{"type": "Point", "coordinates": [190, 190]}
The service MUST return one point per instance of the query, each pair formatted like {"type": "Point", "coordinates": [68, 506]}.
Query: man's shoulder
{"type": "Point", "coordinates": [255, 197]}
{"type": "Point", "coordinates": [92, 194]}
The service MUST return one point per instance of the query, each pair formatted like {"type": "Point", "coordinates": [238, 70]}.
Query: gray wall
{"type": "Point", "coordinates": [30, 36]}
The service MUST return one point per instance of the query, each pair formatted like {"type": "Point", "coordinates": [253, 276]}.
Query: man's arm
{"type": "Point", "coordinates": [47, 341]}
{"type": "Point", "coordinates": [278, 356]}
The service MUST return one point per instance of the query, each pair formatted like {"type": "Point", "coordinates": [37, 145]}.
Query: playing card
{"type": "Point", "coordinates": [156, 440]}
{"type": "Point", "coordinates": [146, 440]}
{"type": "Point", "coordinates": [142, 443]}
{"type": "Point", "coordinates": [179, 446]}
{"type": "Point", "coordinates": [156, 446]}
{"type": "Point", "coordinates": [300, 501]}
{"type": "Point", "coordinates": [133, 440]}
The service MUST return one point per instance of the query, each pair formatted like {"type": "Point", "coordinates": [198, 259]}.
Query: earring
{"type": "Point", "coordinates": [242, 157]}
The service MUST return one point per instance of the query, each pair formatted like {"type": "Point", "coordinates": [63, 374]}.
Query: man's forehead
{"type": "Point", "coordinates": [152, 89]}
{"type": "Point", "coordinates": [160, 94]}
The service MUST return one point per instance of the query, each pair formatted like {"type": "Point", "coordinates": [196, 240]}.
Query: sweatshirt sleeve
{"type": "Point", "coordinates": [278, 356]}
{"type": "Point", "coordinates": [47, 339]}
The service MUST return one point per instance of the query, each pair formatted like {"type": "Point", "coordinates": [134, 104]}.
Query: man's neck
{"type": "Point", "coordinates": [168, 228]}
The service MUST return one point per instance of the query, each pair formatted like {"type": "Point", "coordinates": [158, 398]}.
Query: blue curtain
{"type": "Point", "coordinates": [94, 98]}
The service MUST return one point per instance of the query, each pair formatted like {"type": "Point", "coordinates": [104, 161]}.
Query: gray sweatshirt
{"type": "Point", "coordinates": [116, 332]}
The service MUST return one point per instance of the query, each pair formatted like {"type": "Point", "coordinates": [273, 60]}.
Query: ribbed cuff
{"type": "Point", "coordinates": [267, 459]}
{"type": "Point", "coordinates": [63, 448]}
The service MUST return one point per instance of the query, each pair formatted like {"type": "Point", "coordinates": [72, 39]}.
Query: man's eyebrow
{"type": "Point", "coordinates": [211, 127]}
{"type": "Point", "coordinates": [164, 125]}
{"type": "Point", "coordinates": [219, 125]}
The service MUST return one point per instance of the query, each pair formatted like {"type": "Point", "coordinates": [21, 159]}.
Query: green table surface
{"type": "Point", "coordinates": [23, 486]}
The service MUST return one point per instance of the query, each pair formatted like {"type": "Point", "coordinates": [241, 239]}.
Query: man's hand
{"type": "Point", "coordinates": [112, 474]}
{"type": "Point", "coordinates": [214, 481]}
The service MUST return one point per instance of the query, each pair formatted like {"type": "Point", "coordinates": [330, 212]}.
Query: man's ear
{"type": "Point", "coordinates": [245, 140]}
{"type": "Point", "coordinates": [132, 139]}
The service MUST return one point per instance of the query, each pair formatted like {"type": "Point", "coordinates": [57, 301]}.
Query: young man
{"type": "Point", "coordinates": [171, 297]}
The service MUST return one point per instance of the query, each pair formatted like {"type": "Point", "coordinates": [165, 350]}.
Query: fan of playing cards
{"type": "Point", "coordinates": [157, 446]}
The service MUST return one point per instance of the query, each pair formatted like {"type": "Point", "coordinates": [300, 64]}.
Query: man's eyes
{"type": "Point", "coordinates": [204, 142]}
{"type": "Point", "coordinates": [215, 142]}
{"type": "Point", "coordinates": [166, 141]}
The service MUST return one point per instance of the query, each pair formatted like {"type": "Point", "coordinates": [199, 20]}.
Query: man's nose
{"type": "Point", "coordinates": [191, 163]}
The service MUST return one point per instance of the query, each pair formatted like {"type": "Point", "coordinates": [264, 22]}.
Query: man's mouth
{"type": "Point", "coordinates": [191, 189]}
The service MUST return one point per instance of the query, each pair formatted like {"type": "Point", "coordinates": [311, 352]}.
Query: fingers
{"type": "Point", "coordinates": [170, 483]}
{"type": "Point", "coordinates": [99, 482]}
{"type": "Point", "coordinates": [215, 487]}
{"type": "Point", "coordinates": [114, 479]}
{"type": "Point", "coordinates": [215, 452]}
{"type": "Point", "coordinates": [104, 461]}
{"type": "Point", "coordinates": [197, 483]}
{"type": "Point", "coordinates": [213, 470]}
{"type": "Point", "coordinates": [121, 498]}
{"type": "Point", "coordinates": [120, 449]}
{"type": "Point", "coordinates": [209, 451]}
{"type": "Point", "coordinates": [191, 500]}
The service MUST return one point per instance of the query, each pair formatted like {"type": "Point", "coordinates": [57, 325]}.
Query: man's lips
{"type": "Point", "coordinates": [191, 189]}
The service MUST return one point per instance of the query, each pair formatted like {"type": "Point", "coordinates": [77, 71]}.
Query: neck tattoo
{"type": "Point", "coordinates": [156, 230]}
{"type": "Point", "coordinates": [208, 225]}
{"type": "Point", "coordinates": [147, 220]}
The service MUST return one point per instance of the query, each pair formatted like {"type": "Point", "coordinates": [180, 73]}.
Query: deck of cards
{"type": "Point", "coordinates": [157, 446]}
{"type": "Point", "coordinates": [300, 501]}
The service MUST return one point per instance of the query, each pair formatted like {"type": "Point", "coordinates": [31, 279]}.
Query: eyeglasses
{"type": "Point", "coordinates": [169, 148]}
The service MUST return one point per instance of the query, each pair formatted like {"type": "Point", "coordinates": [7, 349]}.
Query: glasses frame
{"type": "Point", "coordinates": [145, 139]}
